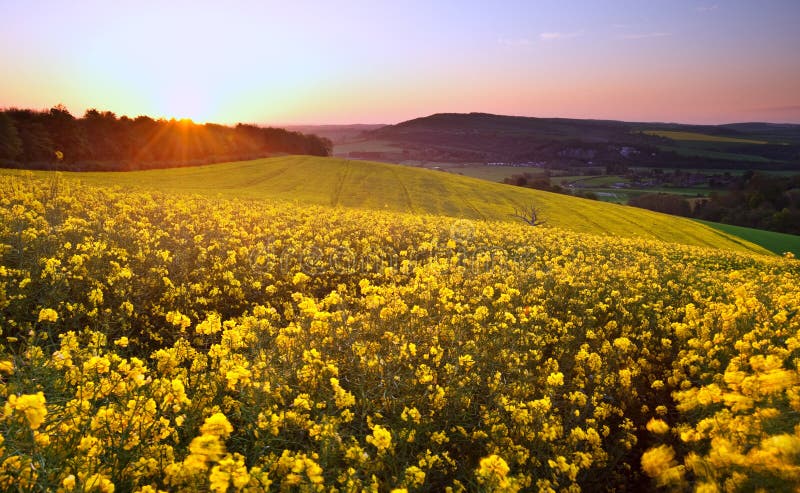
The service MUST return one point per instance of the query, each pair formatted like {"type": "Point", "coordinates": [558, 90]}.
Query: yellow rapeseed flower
{"type": "Point", "coordinates": [381, 438]}
{"type": "Point", "coordinates": [657, 426]}
{"type": "Point", "coordinates": [493, 466]}
{"type": "Point", "coordinates": [48, 315]}
{"type": "Point", "coordinates": [32, 406]}
{"type": "Point", "coordinates": [217, 425]}
{"type": "Point", "coordinates": [657, 460]}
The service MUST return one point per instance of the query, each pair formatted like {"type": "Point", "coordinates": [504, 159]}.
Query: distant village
{"type": "Point", "coordinates": [658, 178]}
{"type": "Point", "coordinates": [527, 164]}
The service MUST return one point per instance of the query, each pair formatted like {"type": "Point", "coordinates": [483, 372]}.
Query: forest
{"type": "Point", "coordinates": [102, 141]}
{"type": "Point", "coordinates": [755, 200]}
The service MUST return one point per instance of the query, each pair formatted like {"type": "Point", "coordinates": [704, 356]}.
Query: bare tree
{"type": "Point", "coordinates": [529, 214]}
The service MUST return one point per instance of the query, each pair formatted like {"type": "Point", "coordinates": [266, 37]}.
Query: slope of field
{"type": "Point", "coordinates": [693, 136]}
{"type": "Point", "coordinates": [775, 242]}
{"type": "Point", "coordinates": [335, 182]}
{"type": "Point", "coordinates": [697, 148]}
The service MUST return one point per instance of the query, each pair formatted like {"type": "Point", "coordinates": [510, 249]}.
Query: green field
{"type": "Point", "coordinates": [692, 149]}
{"type": "Point", "coordinates": [598, 181]}
{"type": "Point", "coordinates": [775, 242]}
{"type": "Point", "coordinates": [361, 184]}
{"type": "Point", "coordinates": [366, 146]}
{"type": "Point", "coordinates": [720, 171]}
{"type": "Point", "coordinates": [603, 187]}
{"type": "Point", "coordinates": [692, 136]}
{"type": "Point", "coordinates": [494, 173]}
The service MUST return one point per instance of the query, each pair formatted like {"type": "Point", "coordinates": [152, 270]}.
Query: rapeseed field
{"type": "Point", "coordinates": [164, 341]}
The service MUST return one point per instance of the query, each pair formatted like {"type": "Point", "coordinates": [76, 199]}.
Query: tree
{"type": "Point", "coordinates": [37, 146]}
{"type": "Point", "coordinates": [530, 215]}
{"type": "Point", "coordinates": [616, 168]}
{"type": "Point", "coordinates": [662, 202]}
{"type": "Point", "coordinates": [101, 141]}
{"type": "Point", "coordinates": [10, 143]}
{"type": "Point", "coordinates": [102, 134]}
{"type": "Point", "coordinates": [67, 135]}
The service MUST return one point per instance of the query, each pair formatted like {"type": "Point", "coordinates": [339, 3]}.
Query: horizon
{"type": "Point", "coordinates": [353, 124]}
{"type": "Point", "coordinates": [688, 61]}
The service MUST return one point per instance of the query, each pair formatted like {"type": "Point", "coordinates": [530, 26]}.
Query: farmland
{"type": "Point", "coordinates": [400, 247]}
{"type": "Point", "coordinates": [694, 136]}
{"type": "Point", "coordinates": [185, 336]}
{"type": "Point", "coordinates": [492, 173]}
{"type": "Point", "coordinates": [772, 241]}
{"type": "Point", "coordinates": [341, 183]}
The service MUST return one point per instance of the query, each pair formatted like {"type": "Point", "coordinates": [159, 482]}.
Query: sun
{"type": "Point", "coordinates": [186, 100]}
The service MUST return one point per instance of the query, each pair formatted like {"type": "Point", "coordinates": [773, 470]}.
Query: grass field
{"type": "Point", "coordinates": [366, 146]}
{"type": "Point", "coordinates": [775, 242]}
{"type": "Point", "coordinates": [720, 171]}
{"type": "Point", "coordinates": [599, 181]}
{"type": "Point", "coordinates": [603, 187]}
{"type": "Point", "coordinates": [494, 173]}
{"type": "Point", "coordinates": [692, 136]}
{"type": "Point", "coordinates": [360, 184]}
{"type": "Point", "coordinates": [692, 149]}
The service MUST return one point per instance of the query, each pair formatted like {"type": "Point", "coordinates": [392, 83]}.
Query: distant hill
{"type": "Point", "coordinates": [560, 142]}
{"type": "Point", "coordinates": [338, 134]}
{"type": "Point", "coordinates": [369, 185]}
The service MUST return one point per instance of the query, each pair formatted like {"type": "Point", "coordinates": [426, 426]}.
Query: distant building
{"type": "Point", "coordinates": [527, 164]}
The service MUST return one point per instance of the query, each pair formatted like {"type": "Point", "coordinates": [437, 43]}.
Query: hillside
{"type": "Point", "coordinates": [775, 242]}
{"type": "Point", "coordinates": [336, 182]}
{"type": "Point", "coordinates": [561, 142]}
{"type": "Point", "coordinates": [336, 133]}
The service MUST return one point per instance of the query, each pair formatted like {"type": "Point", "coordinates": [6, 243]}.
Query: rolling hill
{"type": "Point", "coordinates": [562, 142]}
{"type": "Point", "coordinates": [360, 184]}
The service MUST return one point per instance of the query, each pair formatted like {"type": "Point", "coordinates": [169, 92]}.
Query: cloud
{"type": "Point", "coordinates": [657, 34]}
{"type": "Point", "coordinates": [707, 8]}
{"type": "Point", "coordinates": [555, 36]}
{"type": "Point", "coordinates": [514, 41]}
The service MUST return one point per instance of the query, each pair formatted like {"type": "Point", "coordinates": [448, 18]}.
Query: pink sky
{"type": "Point", "coordinates": [370, 62]}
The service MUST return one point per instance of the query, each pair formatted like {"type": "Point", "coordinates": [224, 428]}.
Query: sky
{"type": "Point", "coordinates": [339, 62]}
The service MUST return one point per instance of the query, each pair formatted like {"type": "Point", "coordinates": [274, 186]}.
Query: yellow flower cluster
{"type": "Point", "coordinates": [381, 438]}
{"type": "Point", "coordinates": [737, 387]}
{"type": "Point", "coordinates": [181, 343]}
{"type": "Point", "coordinates": [48, 315]}
{"type": "Point", "coordinates": [32, 407]}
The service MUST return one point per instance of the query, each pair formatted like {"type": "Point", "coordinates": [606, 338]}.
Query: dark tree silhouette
{"type": "Point", "coordinates": [102, 141]}
{"type": "Point", "coordinates": [67, 134]}
{"type": "Point", "coordinates": [529, 214]}
{"type": "Point", "coordinates": [37, 146]}
{"type": "Point", "coordinates": [662, 202]}
{"type": "Point", "coordinates": [10, 143]}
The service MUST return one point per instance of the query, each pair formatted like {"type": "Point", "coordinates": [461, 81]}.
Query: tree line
{"type": "Point", "coordinates": [752, 199]}
{"type": "Point", "coordinates": [55, 139]}
{"type": "Point", "coordinates": [542, 182]}
{"type": "Point", "coordinates": [755, 200]}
